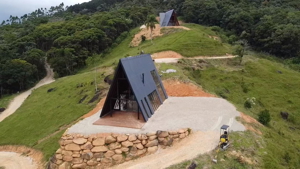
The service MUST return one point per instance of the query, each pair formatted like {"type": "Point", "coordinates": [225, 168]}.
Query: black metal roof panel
{"type": "Point", "coordinates": [138, 72]}
{"type": "Point", "coordinates": [224, 127]}
{"type": "Point", "coordinates": [165, 18]}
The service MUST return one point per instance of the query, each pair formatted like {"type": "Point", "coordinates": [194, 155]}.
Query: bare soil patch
{"type": "Point", "coordinates": [166, 54]}
{"type": "Point", "coordinates": [249, 119]}
{"type": "Point", "coordinates": [250, 123]}
{"type": "Point", "coordinates": [155, 33]}
{"type": "Point", "coordinates": [27, 158]}
{"type": "Point", "coordinates": [181, 89]}
{"type": "Point", "coordinates": [214, 37]}
{"type": "Point", "coordinates": [175, 55]}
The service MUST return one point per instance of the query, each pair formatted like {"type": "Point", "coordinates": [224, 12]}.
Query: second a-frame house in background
{"type": "Point", "coordinates": [136, 87]}
{"type": "Point", "coordinates": [168, 19]}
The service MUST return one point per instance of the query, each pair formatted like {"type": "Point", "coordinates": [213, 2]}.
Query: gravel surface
{"type": "Point", "coordinates": [197, 113]}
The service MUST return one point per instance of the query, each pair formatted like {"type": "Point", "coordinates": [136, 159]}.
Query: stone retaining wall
{"type": "Point", "coordinates": [78, 151]}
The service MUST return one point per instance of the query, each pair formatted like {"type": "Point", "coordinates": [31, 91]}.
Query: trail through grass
{"type": "Point", "coordinates": [45, 112]}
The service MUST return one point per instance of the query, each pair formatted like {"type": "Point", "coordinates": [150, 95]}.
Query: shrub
{"type": "Point", "coordinates": [264, 117]}
{"type": "Point", "coordinates": [232, 39]}
{"type": "Point", "coordinates": [244, 87]}
{"type": "Point", "coordinates": [216, 28]}
{"type": "Point", "coordinates": [247, 104]}
{"type": "Point", "coordinates": [287, 158]}
{"type": "Point", "coordinates": [143, 38]}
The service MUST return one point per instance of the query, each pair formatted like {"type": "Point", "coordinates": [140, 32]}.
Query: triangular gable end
{"type": "Point", "coordinates": [161, 18]}
{"type": "Point", "coordinates": [169, 19]}
{"type": "Point", "coordinates": [136, 82]}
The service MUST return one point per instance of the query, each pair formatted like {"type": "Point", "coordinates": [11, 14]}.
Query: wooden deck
{"type": "Point", "coordinates": [122, 119]}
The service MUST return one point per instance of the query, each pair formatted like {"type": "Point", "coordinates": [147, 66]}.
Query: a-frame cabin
{"type": "Point", "coordinates": [136, 87]}
{"type": "Point", "coordinates": [168, 19]}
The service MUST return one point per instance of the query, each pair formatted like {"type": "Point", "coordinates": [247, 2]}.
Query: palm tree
{"type": "Point", "coordinates": [150, 23]}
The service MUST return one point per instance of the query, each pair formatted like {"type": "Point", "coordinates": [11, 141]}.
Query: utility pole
{"type": "Point", "coordinates": [96, 89]}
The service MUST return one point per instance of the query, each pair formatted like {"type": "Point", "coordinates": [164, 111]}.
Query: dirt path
{"type": "Point", "coordinates": [18, 100]}
{"type": "Point", "coordinates": [11, 156]}
{"type": "Point", "coordinates": [175, 55]}
{"type": "Point", "coordinates": [186, 149]}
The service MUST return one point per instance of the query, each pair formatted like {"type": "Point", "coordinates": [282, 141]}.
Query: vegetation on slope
{"type": "Point", "coordinates": [67, 42]}
{"type": "Point", "coordinates": [194, 42]}
{"type": "Point", "coordinates": [71, 38]}
{"type": "Point", "coordinates": [43, 113]}
{"type": "Point", "coordinates": [4, 101]}
{"type": "Point", "coordinates": [245, 151]}
{"type": "Point", "coordinates": [267, 85]}
{"type": "Point", "coordinates": [271, 25]}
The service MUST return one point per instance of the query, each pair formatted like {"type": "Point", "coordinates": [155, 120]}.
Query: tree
{"type": "Point", "coordinates": [18, 74]}
{"type": "Point", "coordinates": [150, 24]}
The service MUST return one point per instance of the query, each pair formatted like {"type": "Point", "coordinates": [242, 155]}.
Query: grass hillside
{"type": "Point", "coordinates": [269, 85]}
{"type": "Point", "coordinates": [194, 42]}
{"type": "Point", "coordinates": [44, 116]}
{"type": "Point", "coordinates": [4, 101]}
{"type": "Point", "coordinates": [43, 113]}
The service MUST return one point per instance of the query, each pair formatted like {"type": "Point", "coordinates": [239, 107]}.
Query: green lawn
{"type": "Point", "coordinates": [195, 42]}
{"type": "Point", "coordinates": [44, 113]}
{"type": "Point", "coordinates": [4, 101]}
{"type": "Point", "coordinates": [274, 87]}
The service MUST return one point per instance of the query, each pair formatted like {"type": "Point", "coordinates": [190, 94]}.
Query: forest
{"type": "Point", "coordinates": [67, 36]}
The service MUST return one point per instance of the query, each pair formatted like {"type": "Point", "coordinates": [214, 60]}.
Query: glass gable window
{"type": "Point", "coordinates": [158, 85]}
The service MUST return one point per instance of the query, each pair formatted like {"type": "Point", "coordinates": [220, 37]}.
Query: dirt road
{"type": "Point", "coordinates": [13, 160]}
{"type": "Point", "coordinates": [18, 100]}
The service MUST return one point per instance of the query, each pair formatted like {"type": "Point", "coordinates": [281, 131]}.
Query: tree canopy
{"type": "Point", "coordinates": [67, 36]}
{"type": "Point", "coordinates": [63, 37]}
